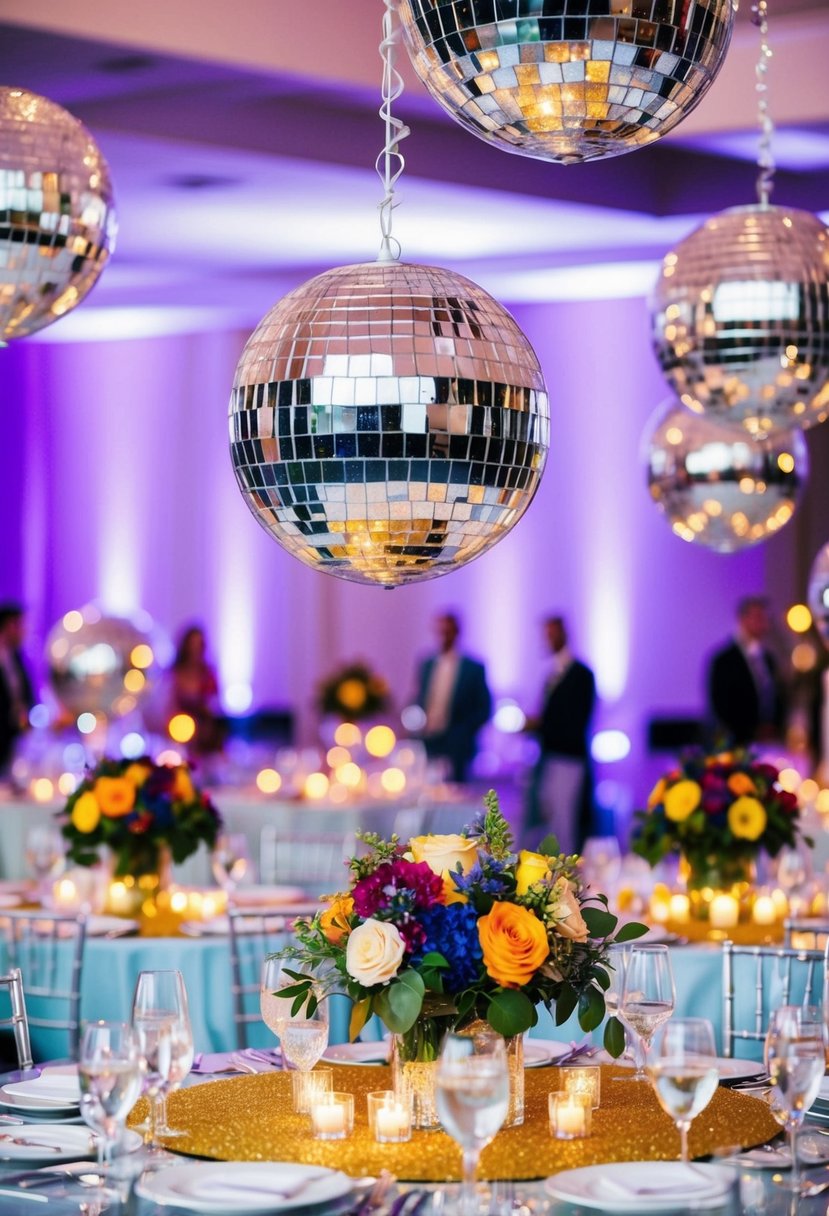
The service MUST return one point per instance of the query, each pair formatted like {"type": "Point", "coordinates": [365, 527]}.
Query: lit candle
{"type": "Point", "coordinates": [332, 1118]}
{"type": "Point", "coordinates": [583, 1080]}
{"type": "Point", "coordinates": [65, 894]}
{"type": "Point", "coordinates": [389, 1117]}
{"type": "Point", "coordinates": [764, 911]}
{"type": "Point", "coordinates": [570, 1115]}
{"type": "Point", "coordinates": [779, 899]}
{"type": "Point", "coordinates": [659, 909]}
{"type": "Point", "coordinates": [680, 909]}
{"type": "Point", "coordinates": [723, 912]}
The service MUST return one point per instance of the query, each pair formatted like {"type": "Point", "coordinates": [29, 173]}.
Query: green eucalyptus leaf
{"type": "Point", "coordinates": [632, 930]}
{"type": "Point", "coordinates": [591, 1008]}
{"type": "Point", "coordinates": [599, 924]}
{"type": "Point", "coordinates": [614, 1038]}
{"type": "Point", "coordinates": [510, 1012]}
{"type": "Point", "coordinates": [565, 1003]}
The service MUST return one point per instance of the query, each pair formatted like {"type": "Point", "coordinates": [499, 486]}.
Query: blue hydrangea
{"type": "Point", "coordinates": [452, 930]}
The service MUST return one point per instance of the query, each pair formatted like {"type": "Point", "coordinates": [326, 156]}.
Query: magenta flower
{"type": "Point", "coordinates": [398, 885]}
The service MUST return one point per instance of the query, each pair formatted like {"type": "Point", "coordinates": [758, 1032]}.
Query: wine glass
{"type": "Point", "coordinates": [472, 1097]}
{"type": "Point", "coordinates": [161, 1021]}
{"type": "Point", "coordinates": [683, 1072]}
{"type": "Point", "coordinates": [109, 1073]}
{"type": "Point", "coordinates": [303, 1035]}
{"type": "Point", "coordinates": [45, 852]}
{"type": "Point", "coordinates": [795, 1059]}
{"type": "Point", "coordinates": [648, 998]}
{"type": "Point", "coordinates": [230, 861]}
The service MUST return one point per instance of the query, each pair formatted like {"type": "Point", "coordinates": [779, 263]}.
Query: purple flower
{"type": "Point", "coordinates": [395, 892]}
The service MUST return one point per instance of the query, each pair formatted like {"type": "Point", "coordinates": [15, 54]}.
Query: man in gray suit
{"type": "Point", "coordinates": [453, 694]}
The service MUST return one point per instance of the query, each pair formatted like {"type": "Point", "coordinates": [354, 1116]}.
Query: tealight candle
{"type": "Point", "coordinates": [570, 1115]}
{"type": "Point", "coordinates": [723, 912]}
{"type": "Point", "coordinates": [389, 1117]}
{"type": "Point", "coordinates": [780, 901]}
{"type": "Point", "coordinates": [332, 1117]}
{"type": "Point", "coordinates": [680, 909]}
{"type": "Point", "coordinates": [660, 906]}
{"type": "Point", "coordinates": [310, 1087]}
{"type": "Point", "coordinates": [583, 1080]}
{"type": "Point", "coordinates": [764, 911]}
{"type": "Point", "coordinates": [65, 894]}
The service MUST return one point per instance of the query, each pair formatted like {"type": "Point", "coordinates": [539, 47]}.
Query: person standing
{"type": "Point", "coordinates": [746, 694]}
{"type": "Point", "coordinates": [560, 788]}
{"type": "Point", "coordinates": [454, 695]}
{"type": "Point", "coordinates": [16, 696]}
{"type": "Point", "coordinates": [195, 691]}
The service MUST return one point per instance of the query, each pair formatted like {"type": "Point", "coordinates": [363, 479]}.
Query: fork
{"type": "Point", "coordinates": [24, 1143]}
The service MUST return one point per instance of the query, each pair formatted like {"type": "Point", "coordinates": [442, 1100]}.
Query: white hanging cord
{"type": "Point", "coordinates": [390, 163]}
{"type": "Point", "coordinates": [765, 158]}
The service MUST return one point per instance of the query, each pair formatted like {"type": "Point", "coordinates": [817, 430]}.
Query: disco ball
{"type": "Point", "coordinates": [388, 422]}
{"type": "Point", "coordinates": [741, 318]}
{"type": "Point", "coordinates": [818, 594]}
{"type": "Point", "coordinates": [100, 664]}
{"type": "Point", "coordinates": [716, 485]}
{"type": "Point", "coordinates": [57, 215]}
{"type": "Point", "coordinates": [567, 82]}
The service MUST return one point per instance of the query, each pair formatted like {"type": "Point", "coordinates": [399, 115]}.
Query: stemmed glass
{"type": "Point", "coordinates": [231, 861]}
{"type": "Point", "coordinates": [684, 1074]}
{"type": "Point", "coordinates": [45, 853]}
{"type": "Point", "coordinates": [161, 1021]}
{"type": "Point", "coordinates": [795, 1060]}
{"type": "Point", "coordinates": [303, 1035]}
{"type": "Point", "coordinates": [472, 1098]}
{"type": "Point", "coordinates": [648, 998]}
{"type": "Point", "coordinates": [109, 1072]}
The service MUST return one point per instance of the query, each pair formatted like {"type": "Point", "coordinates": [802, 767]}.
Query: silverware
{"type": "Point", "coordinates": [24, 1143]}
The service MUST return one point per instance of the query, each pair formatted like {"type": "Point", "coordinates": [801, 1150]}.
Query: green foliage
{"type": "Point", "coordinates": [510, 1012]}
{"type": "Point", "coordinates": [614, 1037]}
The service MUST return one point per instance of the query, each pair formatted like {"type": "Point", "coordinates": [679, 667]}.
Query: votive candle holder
{"type": "Point", "coordinates": [310, 1087]}
{"type": "Point", "coordinates": [583, 1079]}
{"type": "Point", "coordinates": [570, 1116]}
{"type": "Point", "coordinates": [332, 1116]}
{"type": "Point", "coordinates": [390, 1116]}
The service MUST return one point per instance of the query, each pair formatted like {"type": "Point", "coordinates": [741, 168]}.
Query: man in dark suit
{"type": "Point", "coordinates": [745, 691]}
{"type": "Point", "coordinates": [560, 790]}
{"type": "Point", "coordinates": [16, 697]}
{"type": "Point", "coordinates": [453, 694]}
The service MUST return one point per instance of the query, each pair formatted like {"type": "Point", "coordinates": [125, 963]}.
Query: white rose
{"type": "Point", "coordinates": [374, 952]}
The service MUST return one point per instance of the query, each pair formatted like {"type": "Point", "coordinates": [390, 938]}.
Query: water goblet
{"type": "Point", "coordinates": [472, 1097]}
{"type": "Point", "coordinates": [683, 1072]}
{"type": "Point", "coordinates": [647, 1000]}
{"type": "Point", "coordinates": [303, 1035]}
{"type": "Point", "coordinates": [231, 862]}
{"type": "Point", "coordinates": [161, 1021]}
{"type": "Point", "coordinates": [45, 853]}
{"type": "Point", "coordinates": [109, 1073]}
{"type": "Point", "coordinates": [795, 1055]}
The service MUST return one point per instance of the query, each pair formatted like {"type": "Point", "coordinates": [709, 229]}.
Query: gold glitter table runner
{"type": "Point", "coordinates": [250, 1119]}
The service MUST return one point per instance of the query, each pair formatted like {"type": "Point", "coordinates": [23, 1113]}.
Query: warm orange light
{"type": "Point", "coordinates": [169, 756]}
{"type": "Point", "coordinates": [380, 740]}
{"type": "Point", "coordinates": [43, 790]}
{"type": "Point", "coordinates": [789, 779]}
{"type": "Point", "coordinates": [350, 775]}
{"type": "Point", "coordinates": [134, 680]}
{"type": "Point", "coordinates": [72, 622]}
{"type": "Point", "coordinates": [141, 655]}
{"type": "Point", "coordinates": [335, 756]}
{"type": "Point", "coordinates": [67, 784]}
{"type": "Point", "coordinates": [268, 780]}
{"type": "Point", "coordinates": [799, 618]}
{"type": "Point", "coordinates": [316, 785]}
{"type": "Point", "coordinates": [181, 728]}
{"type": "Point", "coordinates": [394, 780]}
{"type": "Point", "coordinates": [347, 734]}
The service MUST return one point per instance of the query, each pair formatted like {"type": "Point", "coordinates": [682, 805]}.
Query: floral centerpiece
{"type": "Point", "coordinates": [139, 810]}
{"type": "Point", "coordinates": [717, 812]}
{"type": "Point", "coordinates": [352, 692]}
{"type": "Point", "coordinates": [443, 931]}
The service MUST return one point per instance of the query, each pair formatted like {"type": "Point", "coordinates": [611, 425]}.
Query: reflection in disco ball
{"type": "Point", "coordinates": [741, 318]}
{"type": "Point", "coordinates": [567, 82]}
{"type": "Point", "coordinates": [818, 596]}
{"type": "Point", "coordinates": [718, 487]}
{"type": "Point", "coordinates": [58, 226]}
{"type": "Point", "coordinates": [388, 422]}
{"type": "Point", "coordinates": [100, 664]}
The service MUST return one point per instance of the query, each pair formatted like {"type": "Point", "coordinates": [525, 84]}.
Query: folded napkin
{"type": "Point", "coordinates": [247, 1060]}
{"type": "Point", "coordinates": [672, 1179]}
{"type": "Point", "coordinates": [217, 1190]}
{"type": "Point", "coordinates": [51, 1087]}
{"type": "Point", "coordinates": [578, 1051]}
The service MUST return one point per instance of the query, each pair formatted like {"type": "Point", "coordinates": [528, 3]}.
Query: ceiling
{"type": "Point", "coordinates": [242, 142]}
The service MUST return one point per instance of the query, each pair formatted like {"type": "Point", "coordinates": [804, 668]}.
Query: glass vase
{"type": "Point", "coordinates": [706, 877]}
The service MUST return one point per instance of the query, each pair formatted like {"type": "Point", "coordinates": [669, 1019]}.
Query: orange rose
{"type": "Point", "coordinates": [741, 783]}
{"type": "Point", "coordinates": [116, 796]}
{"type": "Point", "coordinates": [334, 919]}
{"type": "Point", "coordinates": [137, 773]}
{"type": "Point", "coordinates": [514, 944]}
{"type": "Point", "coordinates": [182, 785]}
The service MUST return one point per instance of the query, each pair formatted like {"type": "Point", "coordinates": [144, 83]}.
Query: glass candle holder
{"type": "Point", "coordinates": [390, 1116]}
{"type": "Point", "coordinates": [570, 1116]}
{"type": "Point", "coordinates": [309, 1087]}
{"type": "Point", "coordinates": [583, 1080]}
{"type": "Point", "coordinates": [332, 1116]}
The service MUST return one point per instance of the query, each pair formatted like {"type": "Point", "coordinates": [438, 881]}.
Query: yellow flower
{"type": "Point", "coordinates": [514, 944]}
{"type": "Point", "coordinates": [352, 694]}
{"type": "Point", "coordinates": [86, 814]}
{"type": "Point", "coordinates": [334, 919]}
{"type": "Point", "coordinates": [183, 790]}
{"type": "Point", "coordinates": [681, 800]}
{"type": "Point", "coordinates": [442, 854]}
{"type": "Point", "coordinates": [116, 796]}
{"type": "Point", "coordinates": [532, 867]}
{"type": "Point", "coordinates": [657, 793]}
{"type": "Point", "coordinates": [747, 818]}
{"type": "Point", "coordinates": [741, 783]}
{"type": "Point", "coordinates": [137, 774]}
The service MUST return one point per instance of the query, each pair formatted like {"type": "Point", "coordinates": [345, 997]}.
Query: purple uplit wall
{"type": "Point", "coordinates": [117, 486]}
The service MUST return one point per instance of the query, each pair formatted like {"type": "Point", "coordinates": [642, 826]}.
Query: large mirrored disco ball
{"type": "Point", "coordinates": [570, 81]}
{"type": "Point", "coordinates": [818, 593]}
{"type": "Point", "coordinates": [388, 422]}
{"type": "Point", "coordinates": [101, 665]}
{"type": "Point", "coordinates": [741, 318]}
{"type": "Point", "coordinates": [716, 485]}
{"type": "Point", "coordinates": [57, 214]}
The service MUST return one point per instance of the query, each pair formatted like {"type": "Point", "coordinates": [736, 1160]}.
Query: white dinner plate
{"type": "Point", "coordinates": [54, 1142]}
{"type": "Point", "coordinates": [729, 1069]}
{"type": "Point", "coordinates": [259, 895]}
{"type": "Point", "coordinates": [52, 1093]}
{"type": "Point", "coordinates": [537, 1052]}
{"type": "Point", "coordinates": [643, 1186]}
{"type": "Point", "coordinates": [10, 900]}
{"type": "Point", "coordinates": [245, 1187]}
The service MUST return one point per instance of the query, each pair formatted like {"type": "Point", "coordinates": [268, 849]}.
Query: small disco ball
{"type": "Point", "coordinates": [818, 593]}
{"type": "Point", "coordinates": [740, 318]}
{"type": "Point", "coordinates": [567, 82]}
{"type": "Point", "coordinates": [57, 214]}
{"type": "Point", "coordinates": [716, 485]}
{"type": "Point", "coordinates": [102, 665]}
{"type": "Point", "coordinates": [388, 422]}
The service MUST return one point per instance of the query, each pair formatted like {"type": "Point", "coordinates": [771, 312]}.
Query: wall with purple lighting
{"type": "Point", "coordinates": [116, 485]}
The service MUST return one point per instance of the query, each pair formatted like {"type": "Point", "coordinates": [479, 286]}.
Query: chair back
{"type": "Point", "coordinates": [48, 948]}
{"type": "Point", "coordinates": [16, 1019]}
{"type": "Point", "coordinates": [759, 979]}
{"type": "Point", "coordinates": [805, 932]}
{"type": "Point", "coordinates": [254, 933]}
{"type": "Point", "coordinates": [313, 861]}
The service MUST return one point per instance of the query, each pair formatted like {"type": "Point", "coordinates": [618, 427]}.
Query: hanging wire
{"type": "Point", "coordinates": [390, 163]}
{"type": "Point", "coordinates": [765, 157]}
